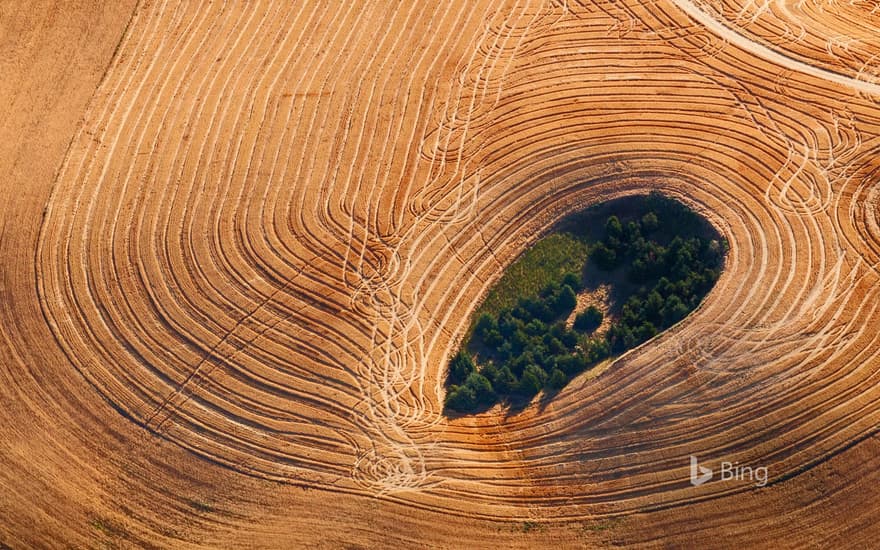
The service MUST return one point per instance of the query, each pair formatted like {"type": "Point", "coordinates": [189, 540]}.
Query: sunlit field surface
{"type": "Point", "coordinates": [240, 242]}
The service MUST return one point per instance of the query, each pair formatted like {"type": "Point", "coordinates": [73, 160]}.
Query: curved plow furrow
{"type": "Point", "coordinates": [277, 219]}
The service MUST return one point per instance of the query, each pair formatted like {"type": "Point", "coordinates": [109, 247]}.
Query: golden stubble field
{"type": "Point", "coordinates": [240, 239]}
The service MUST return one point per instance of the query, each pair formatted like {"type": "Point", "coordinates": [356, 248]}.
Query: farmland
{"type": "Point", "coordinates": [240, 242]}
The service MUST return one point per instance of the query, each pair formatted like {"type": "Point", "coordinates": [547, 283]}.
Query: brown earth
{"type": "Point", "coordinates": [240, 239]}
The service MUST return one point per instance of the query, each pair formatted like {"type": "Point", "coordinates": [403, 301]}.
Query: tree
{"type": "Point", "coordinates": [535, 328]}
{"type": "Point", "coordinates": [565, 301]}
{"type": "Point", "coordinates": [664, 287]}
{"type": "Point", "coordinates": [482, 388]}
{"type": "Point", "coordinates": [569, 338]}
{"type": "Point", "coordinates": [532, 380]}
{"type": "Point", "coordinates": [485, 323]}
{"type": "Point", "coordinates": [461, 366]}
{"type": "Point", "coordinates": [605, 258]}
{"type": "Point", "coordinates": [572, 363]}
{"type": "Point", "coordinates": [573, 280]}
{"type": "Point", "coordinates": [506, 325]}
{"type": "Point", "coordinates": [503, 380]}
{"type": "Point", "coordinates": [674, 311]}
{"type": "Point", "coordinates": [461, 398]}
{"type": "Point", "coordinates": [631, 233]}
{"type": "Point", "coordinates": [589, 319]}
{"type": "Point", "coordinates": [536, 309]}
{"type": "Point", "coordinates": [505, 351]}
{"type": "Point", "coordinates": [652, 306]}
{"type": "Point", "coordinates": [552, 289]}
{"type": "Point", "coordinates": [645, 332]}
{"type": "Point", "coordinates": [597, 349]}
{"type": "Point", "coordinates": [517, 363]}
{"type": "Point", "coordinates": [620, 337]}
{"type": "Point", "coordinates": [519, 341]}
{"type": "Point", "coordinates": [557, 380]}
{"type": "Point", "coordinates": [650, 223]}
{"type": "Point", "coordinates": [493, 339]}
{"type": "Point", "coordinates": [523, 310]}
{"type": "Point", "coordinates": [490, 370]}
{"type": "Point", "coordinates": [554, 345]}
{"type": "Point", "coordinates": [613, 228]}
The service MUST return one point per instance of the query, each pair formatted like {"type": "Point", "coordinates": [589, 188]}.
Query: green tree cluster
{"type": "Point", "coordinates": [527, 348]}
{"type": "Point", "coordinates": [673, 278]}
{"type": "Point", "coordinates": [523, 350]}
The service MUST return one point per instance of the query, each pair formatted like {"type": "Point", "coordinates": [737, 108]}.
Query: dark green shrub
{"type": "Point", "coordinates": [535, 328]}
{"type": "Point", "coordinates": [605, 257]}
{"type": "Point", "coordinates": [573, 280]}
{"type": "Point", "coordinates": [503, 380]}
{"type": "Point", "coordinates": [613, 228]}
{"type": "Point", "coordinates": [461, 398]}
{"type": "Point", "coordinates": [597, 349]}
{"type": "Point", "coordinates": [532, 380]}
{"type": "Point", "coordinates": [565, 301]}
{"type": "Point", "coordinates": [461, 366]}
{"type": "Point", "coordinates": [482, 388]}
{"type": "Point", "coordinates": [557, 380]}
{"type": "Point", "coordinates": [674, 310]}
{"type": "Point", "coordinates": [650, 223]}
{"type": "Point", "coordinates": [588, 320]}
{"type": "Point", "coordinates": [493, 339]}
{"type": "Point", "coordinates": [572, 363]}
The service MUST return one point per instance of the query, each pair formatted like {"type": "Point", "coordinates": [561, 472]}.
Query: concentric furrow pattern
{"type": "Point", "coordinates": [278, 217]}
{"type": "Point", "coordinates": [841, 36]}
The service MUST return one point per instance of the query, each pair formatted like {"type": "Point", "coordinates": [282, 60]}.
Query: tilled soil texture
{"type": "Point", "coordinates": [240, 241]}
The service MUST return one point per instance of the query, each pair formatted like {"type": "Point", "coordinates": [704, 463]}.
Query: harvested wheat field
{"type": "Point", "coordinates": [241, 240]}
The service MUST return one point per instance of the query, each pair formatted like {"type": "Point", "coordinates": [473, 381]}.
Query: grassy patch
{"type": "Point", "coordinates": [544, 263]}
